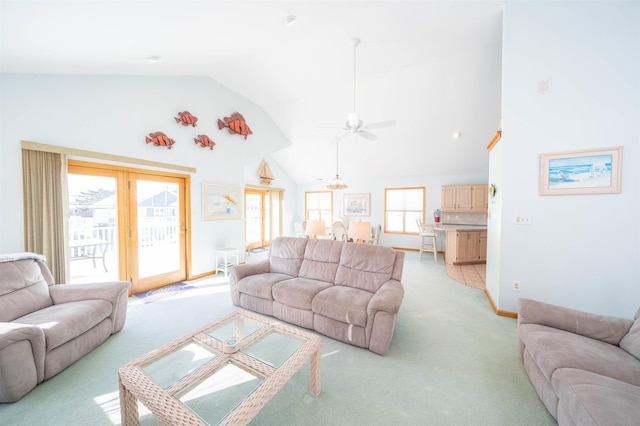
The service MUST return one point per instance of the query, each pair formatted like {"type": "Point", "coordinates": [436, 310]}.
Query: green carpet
{"type": "Point", "coordinates": [452, 361]}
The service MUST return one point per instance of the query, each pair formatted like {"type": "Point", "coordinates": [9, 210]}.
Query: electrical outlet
{"type": "Point", "coordinates": [522, 220]}
{"type": "Point", "coordinates": [516, 286]}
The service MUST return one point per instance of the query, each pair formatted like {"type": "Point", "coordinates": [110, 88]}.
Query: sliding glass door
{"type": "Point", "coordinates": [127, 224]}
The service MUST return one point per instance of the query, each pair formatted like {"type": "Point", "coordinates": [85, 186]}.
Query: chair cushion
{"type": "Point", "coordinates": [67, 321]}
{"type": "Point", "coordinates": [345, 304]}
{"type": "Point", "coordinates": [365, 266]}
{"type": "Point", "coordinates": [631, 342]}
{"type": "Point", "coordinates": [321, 259]}
{"type": "Point", "coordinates": [260, 285]}
{"type": "Point", "coordinates": [23, 289]}
{"type": "Point", "coordinates": [298, 292]}
{"type": "Point", "coordinates": [553, 349]}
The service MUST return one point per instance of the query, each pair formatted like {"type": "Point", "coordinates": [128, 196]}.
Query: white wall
{"type": "Point", "coordinates": [113, 114]}
{"type": "Point", "coordinates": [580, 251]}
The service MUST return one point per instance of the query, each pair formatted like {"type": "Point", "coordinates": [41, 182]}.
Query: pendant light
{"type": "Point", "coordinates": [337, 182]}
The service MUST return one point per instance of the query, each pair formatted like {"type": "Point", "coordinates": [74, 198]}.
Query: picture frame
{"type": "Point", "coordinates": [358, 205]}
{"type": "Point", "coordinates": [221, 202]}
{"type": "Point", "coordinates": [593, 171]}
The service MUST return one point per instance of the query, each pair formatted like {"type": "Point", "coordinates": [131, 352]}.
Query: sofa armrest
{"type": "Point", "coordinates": [388, 298]}
{"type": "Point", "coordinates": [604, 328]}
{"type": "Point", "coordinates": [239, 272]}
{"type": "Point", "coordinates": [22, 353]}
{"type": "Point", "coordinates": [115, 292]}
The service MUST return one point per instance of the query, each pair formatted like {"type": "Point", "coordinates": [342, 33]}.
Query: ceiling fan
{"type": "Point", "coordinates": [354, 125]}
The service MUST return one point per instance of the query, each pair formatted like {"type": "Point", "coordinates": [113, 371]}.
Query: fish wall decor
{"type": "Point", "coordinates": [159, 139]}
{"type": "Point", "coordinates": [204, 141]}
{"type": "Point", "coordinates": [236, 125]}
{"type": "Point", "coordinates": [186, 119]}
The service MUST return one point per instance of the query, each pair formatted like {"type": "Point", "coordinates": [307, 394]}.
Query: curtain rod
{"type": "Point", "coordinates": [35, 146]}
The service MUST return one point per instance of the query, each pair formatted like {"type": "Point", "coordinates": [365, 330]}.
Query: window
{"type": "Point", "coordinates": [402, 206]}
{"type": "Point", "coordinates": [318, 205]}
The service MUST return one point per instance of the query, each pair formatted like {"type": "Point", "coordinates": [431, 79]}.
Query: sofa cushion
{"type": "Point", "coordinates": [298, 292]}
{"type": "Point", "coordinates": [345, 304]}
{"type": "Point", "coordinates": [631, 342]}
{"type": "Point", "coordinates": [321, 259]}
{"type": "Point", "coordinates": [592, 399]}
{"type": "Point", "coordinates": [23, 289]}
{"type": "Point", "coordinates": [285, 255]}
{"type": "Point", "coordinates": [67, 321]}
{"type": "Point", "coordinates": [260, 285]}
{"type": "Point", "coordinates": [365, 266]}
{"type": "Point", "coordinates": [553, 349]}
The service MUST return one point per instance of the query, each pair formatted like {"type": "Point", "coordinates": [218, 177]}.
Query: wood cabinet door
{"type": "Point", "coordinates": [463, 198]}
{"type": "Point", "coordinates": [483, 246]}
{"type": "Point", "coordinates": [479, 198]}
{"type": "Point", "coordinates": [448, 198]}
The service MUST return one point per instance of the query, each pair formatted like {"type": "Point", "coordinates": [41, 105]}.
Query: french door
{"type": "Point", "coordinates": [257, 218]}
{"type": "Point", "coordinates": [127, 224]}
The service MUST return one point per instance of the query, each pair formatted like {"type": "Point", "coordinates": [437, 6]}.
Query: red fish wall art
{"type": "Point", "coordinates": [186, 119]}
{"type": "Point", "coordinates": [159, 139]}
{"type": "Point", "coordinates": [204, 141]}
{"type": "Point", "coordinates": [236, 125]}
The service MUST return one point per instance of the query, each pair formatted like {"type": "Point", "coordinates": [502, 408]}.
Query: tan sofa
{"type": "Point", "coordinates": [350, 292]}
{"type": "Point", "coordinates": [584, 367]}
{"type": "Point", "coordinates": [44, 328]}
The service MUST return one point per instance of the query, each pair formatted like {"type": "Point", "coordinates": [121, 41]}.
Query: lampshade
{"type": "Point", "coordinates": [359, 230]}
{"type": "Point", "coordinates": [315, 228]}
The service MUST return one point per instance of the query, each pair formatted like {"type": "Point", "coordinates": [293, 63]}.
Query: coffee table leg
{"type": "Point", "coordinates": [315, 379]}
{"type": "Point", "coordinates": [128, 407]}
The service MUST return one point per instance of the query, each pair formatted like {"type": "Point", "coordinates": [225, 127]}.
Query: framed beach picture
{"type": "Point", "coordinates": [220, 202]}
{"type": "Point", "coordinates": [357, 204]}
{"type": "Point", "coordinates": [595, 171]}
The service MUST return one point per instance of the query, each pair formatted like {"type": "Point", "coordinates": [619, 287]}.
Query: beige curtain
{"type": "Point", "coordinates": [44, 183]}
{"type": "Point", "coordinates": [276, 209]}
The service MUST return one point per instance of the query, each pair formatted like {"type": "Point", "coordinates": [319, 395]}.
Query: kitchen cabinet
{"type": "Point", "coordinates": [464, 198]}
{"type": "Point", "coordinates": [466, 246]}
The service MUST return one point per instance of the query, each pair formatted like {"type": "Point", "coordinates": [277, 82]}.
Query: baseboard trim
{"type": "Point", "coordinates": [206, 274]}
{"type": "Point", "coordinates": [499, 312]}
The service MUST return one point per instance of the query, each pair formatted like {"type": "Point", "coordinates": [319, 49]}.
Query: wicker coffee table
{"type": "Point", "coordinates": [223, 373]}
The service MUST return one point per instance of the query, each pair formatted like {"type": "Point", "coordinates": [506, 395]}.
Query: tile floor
{"type": "Point", "coordinates": [471, 275]}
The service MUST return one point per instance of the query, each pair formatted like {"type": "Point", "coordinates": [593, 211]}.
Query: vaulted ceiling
{"type": "Point", "coordinates": [433, 66]}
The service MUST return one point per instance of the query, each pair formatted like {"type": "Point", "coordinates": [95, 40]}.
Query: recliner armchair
{"type": "Point", "coordinates": [44, 328]}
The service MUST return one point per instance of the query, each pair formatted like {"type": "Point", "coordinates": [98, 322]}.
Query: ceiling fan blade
{"type": "Point", "coordinates": [380, 124]}
{"type": "Point", "coordinates": [367, 135]}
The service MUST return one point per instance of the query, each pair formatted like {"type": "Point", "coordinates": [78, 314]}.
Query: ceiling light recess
{"type": "Point", "coordinates": [289, 20]}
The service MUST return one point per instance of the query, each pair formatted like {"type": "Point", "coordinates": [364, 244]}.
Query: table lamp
{"type": "Point", "coordinates": [359, 231]}
{"type": "Point", "coordinates": [315, 228]}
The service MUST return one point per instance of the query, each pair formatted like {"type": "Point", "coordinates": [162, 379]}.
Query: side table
{"type": "Point", "coordinates": [226, 257]}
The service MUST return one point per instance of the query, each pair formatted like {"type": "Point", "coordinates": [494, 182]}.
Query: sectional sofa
{"type": "Point", "coordinates": [348, 291]}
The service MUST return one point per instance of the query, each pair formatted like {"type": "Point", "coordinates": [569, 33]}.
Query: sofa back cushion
{"type": "Point", "coordinates": [631, 342]}
{"type": "Point", "coordinates": [285, 255]}
{"type": "Point", "coordinates": [23, 289]}
{"type": "Point", "coordinates": [321, 259]}
{"type": "Point", "coordinates": [365, 266]}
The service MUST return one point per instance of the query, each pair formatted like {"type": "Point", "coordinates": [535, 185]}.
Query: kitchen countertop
{"type": "Point", "coordinates": [457, 227]}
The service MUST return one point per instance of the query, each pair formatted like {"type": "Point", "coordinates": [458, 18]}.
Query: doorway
{"type": "Point", "coordinates": [127, 224]}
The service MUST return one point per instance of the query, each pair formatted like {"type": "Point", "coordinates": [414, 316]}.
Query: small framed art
{"type": "Point", "coordinates": [594, 171]}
